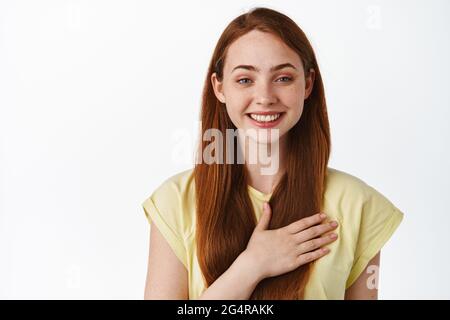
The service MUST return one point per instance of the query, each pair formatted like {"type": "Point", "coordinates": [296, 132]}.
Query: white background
{"type": "Point", "coordinates": [99, 102]}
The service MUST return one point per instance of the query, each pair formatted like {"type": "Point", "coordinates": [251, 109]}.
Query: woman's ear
{"type": "Point", "coordinates": [218, 87]}
{"type": "Point", "coordinates": [309, 82]}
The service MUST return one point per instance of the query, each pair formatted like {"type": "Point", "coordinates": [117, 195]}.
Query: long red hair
{"type": "Point", "coordinates": [225, 215]}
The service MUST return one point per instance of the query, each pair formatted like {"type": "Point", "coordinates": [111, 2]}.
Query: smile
{"type": "Point", "coordinates": [266, 120]}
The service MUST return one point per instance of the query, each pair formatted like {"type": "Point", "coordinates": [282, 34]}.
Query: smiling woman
{"type": "Point", "coordinates": [305, 231]}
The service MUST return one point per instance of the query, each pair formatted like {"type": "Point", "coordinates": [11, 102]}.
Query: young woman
{"type": "Point", "coordinates": [230, 230]}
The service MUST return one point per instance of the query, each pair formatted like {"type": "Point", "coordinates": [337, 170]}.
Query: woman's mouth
{"type": "Point", "coordinates": [265, 120]}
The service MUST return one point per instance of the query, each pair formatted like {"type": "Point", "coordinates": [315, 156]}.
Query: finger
{"type": "Point", "coordinates": [316, 243]}
{"type": "Point", "coordinates": [264, 221]}
{"type": "Point", "coordinates": [315, 231]}
{"type": "Point", "coordinates": [311, 256]}
{"type": "Point", "coordinates": [305, 223]}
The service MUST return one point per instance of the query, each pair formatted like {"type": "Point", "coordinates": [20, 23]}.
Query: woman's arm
{"type": "Point", "coordinates": [237, 283]}
{"type": "Point", "coordinates": [167, 278]}
{"type": "Point", "coordinates": [366, 286]}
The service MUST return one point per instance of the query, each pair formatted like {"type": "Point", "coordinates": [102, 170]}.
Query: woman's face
{"type": "Point", "coordinates": [263, 83]}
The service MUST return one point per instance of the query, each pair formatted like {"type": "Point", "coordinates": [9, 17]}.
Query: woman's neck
{"type": "Point", "coordinates": [264, 176]}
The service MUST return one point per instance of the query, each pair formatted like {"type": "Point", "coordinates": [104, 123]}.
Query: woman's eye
{"type": "Point", "coordinates": [240, 81]}
{"type": "Point", "coordinates": [247, 80]}
{"type": "Point", "coordinates": [287, 79]}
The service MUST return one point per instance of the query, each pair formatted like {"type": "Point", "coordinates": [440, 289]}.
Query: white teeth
{"type": "Point", "coordinates": [267, 118]}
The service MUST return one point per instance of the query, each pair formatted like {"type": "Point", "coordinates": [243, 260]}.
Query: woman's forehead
{"type": "Point", "coordinates": [261, 50]}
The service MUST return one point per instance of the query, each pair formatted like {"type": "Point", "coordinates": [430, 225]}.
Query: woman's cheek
{"type": "Point", "coordinates": [239, 104]}
{"type": "Point", "coordinates": [295, 103]}
{"type": "Point", "coordinates": [235, 113]}
{"type": "Point", "coordinates": [293, 95]}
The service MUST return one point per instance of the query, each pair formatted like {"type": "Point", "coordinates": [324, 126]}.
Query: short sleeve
{"type": "Point", "coordinates": [379, 220]}
{"type": "Point", "coordinates": [168, 222]}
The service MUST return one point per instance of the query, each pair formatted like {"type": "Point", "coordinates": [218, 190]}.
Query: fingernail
{"type": "Point", "coordinates": [323, 215]}
{"type": "Point", "coordinates": [334, 223]}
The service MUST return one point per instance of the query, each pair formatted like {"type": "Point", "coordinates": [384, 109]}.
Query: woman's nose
{"type": "Point", "coordinates": [265, 95]}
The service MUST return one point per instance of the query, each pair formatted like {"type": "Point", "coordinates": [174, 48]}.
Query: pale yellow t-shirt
{"type": "Point", "coordinates": [366, 219]}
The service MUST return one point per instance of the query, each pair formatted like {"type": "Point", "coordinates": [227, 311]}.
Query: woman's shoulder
{"type": "Point", "coordinates": [347, 195]}
{"type": "Point", "coordinates": [177, 185]}
{"type": "Point", "coordinates": [173, 200]}
{"type": "Point", "coordinates": [347, 186]}
{"type": "Point", "coordinates": [367, 219]}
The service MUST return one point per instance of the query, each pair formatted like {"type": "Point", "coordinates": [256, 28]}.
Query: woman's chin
{"type": "Point", "coordinates": [264, 136]}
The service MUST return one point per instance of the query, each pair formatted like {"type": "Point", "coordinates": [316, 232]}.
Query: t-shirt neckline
{"type": "Point", "coordinates": [259, 194]}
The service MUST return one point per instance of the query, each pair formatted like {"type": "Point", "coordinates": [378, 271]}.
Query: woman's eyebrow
{"type": "Point", "coordinates": [275, 68]}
